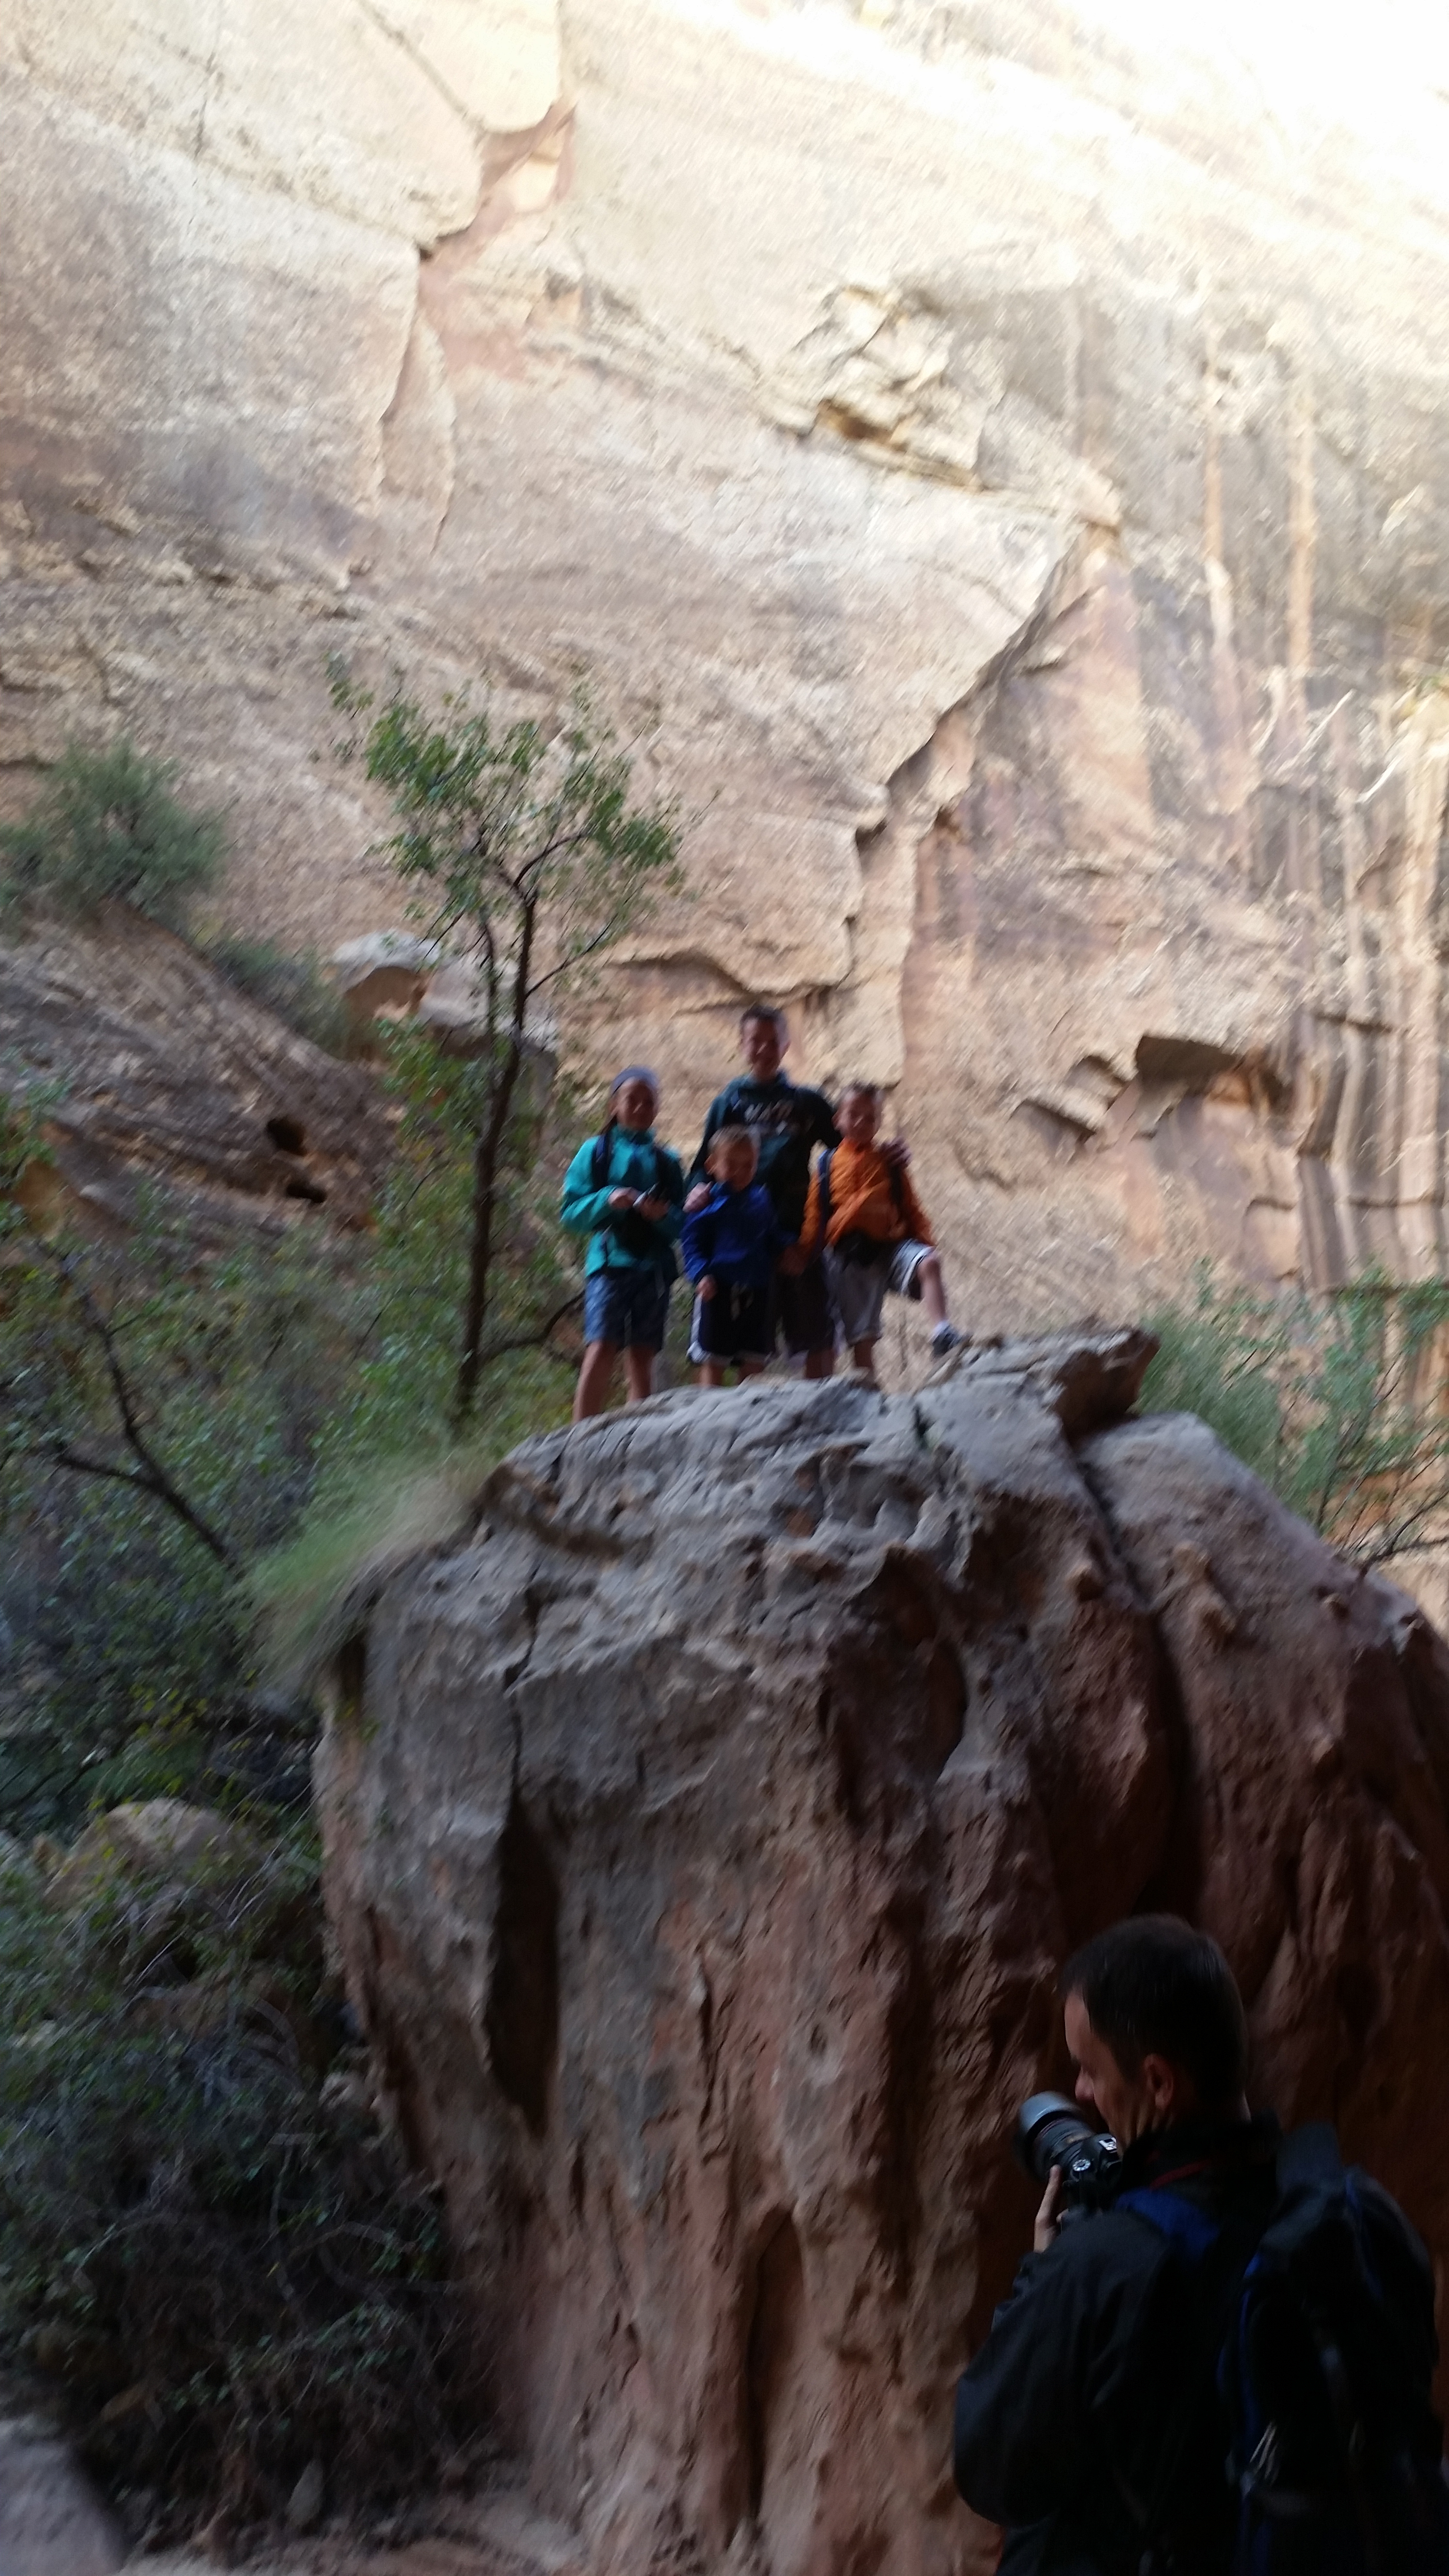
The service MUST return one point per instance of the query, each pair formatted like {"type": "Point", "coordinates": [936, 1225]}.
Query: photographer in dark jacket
{"type": "Point", "coordinates": [1090, 2423]}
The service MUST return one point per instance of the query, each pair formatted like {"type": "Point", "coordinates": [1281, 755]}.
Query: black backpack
{"type": "Point", "coordinates": [1319, 2379]}
{"type": "Point", "coordinates": [633, 1233]}
{"type": "Point", "coordinates": [855, 1245]}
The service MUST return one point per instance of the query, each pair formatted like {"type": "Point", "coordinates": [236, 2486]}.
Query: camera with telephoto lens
{"type": "Point", "coordinates": [1050, 2130]}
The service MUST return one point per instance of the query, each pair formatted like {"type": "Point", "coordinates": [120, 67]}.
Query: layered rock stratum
{"type": "Point", "coordinates": [704, 1829]}
{"type": "Point", "coordinates": [991, 457]}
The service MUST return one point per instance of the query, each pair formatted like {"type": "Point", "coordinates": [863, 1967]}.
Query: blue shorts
{"type": "Point", "coordinates": [628, 1307]}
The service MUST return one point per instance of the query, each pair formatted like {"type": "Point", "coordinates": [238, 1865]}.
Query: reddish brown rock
{"type": "Point", "coordinates": [1308, 1713]}
{"type": "Point", "coordinates": [704, 1835]}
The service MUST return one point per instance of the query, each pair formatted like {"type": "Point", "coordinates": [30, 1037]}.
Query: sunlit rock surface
{"type": "Point", "coordinates": [701, 1840]}
{"type": "Point", "coordinates": [992, 457]}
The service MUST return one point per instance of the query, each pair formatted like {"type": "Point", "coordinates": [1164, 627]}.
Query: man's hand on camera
{"type": "Point", "coordinates": [1048, 2224]}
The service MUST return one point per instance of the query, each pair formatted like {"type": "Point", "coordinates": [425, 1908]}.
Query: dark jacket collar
{"type": "Point", "coordinates": [1194, 2147]}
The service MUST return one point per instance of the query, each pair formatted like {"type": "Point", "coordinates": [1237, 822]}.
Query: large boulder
{"type": "Point", "coordinates": [703, 1836]}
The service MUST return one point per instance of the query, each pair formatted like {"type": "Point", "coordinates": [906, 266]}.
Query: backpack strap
{"type": "Point", "coordinates": [826, 1159]}
{"type": "Point", "coordinates": [603, 1150]}
{"type": "Point", "coordinates": [602, 1157]}
{"type": "Point", "coordinates": [1186, 2226]}
{"type": "Point", "coordinates": [1311, 2183]}
{"type": "Point", "coordinates": [1215, 2266]}
{"type": "Point", "coordinates": [1309, 2161]}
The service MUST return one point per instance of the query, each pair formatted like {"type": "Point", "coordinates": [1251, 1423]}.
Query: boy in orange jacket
{"type": "Point", "coordinates": [876, 1233]}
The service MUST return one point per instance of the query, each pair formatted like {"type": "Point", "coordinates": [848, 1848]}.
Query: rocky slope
{"type": "Point", "coordinates": [991, 456]}
{"type": "Point", "coordinates": [703, 1835]}
{"type": "Point", "coordinates": [156, 1067]}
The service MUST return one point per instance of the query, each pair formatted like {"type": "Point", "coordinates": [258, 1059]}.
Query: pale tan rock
{"type": "Point", "coordinates": [52, 2523]}
{"type": "Point", "coordinates": [153, 1838]}
{"type": "Point", "coordinates": [325, 104]}
{"type": "Point", "coordinates": [386, 972]}
{"type": "Point", "coordinates": [991, 462]}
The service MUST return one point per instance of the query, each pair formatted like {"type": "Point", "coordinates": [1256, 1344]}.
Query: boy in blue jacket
{"type": "Point", "coordinates": [626, 1194]}
{"type": "Point", "coordinates": [732, 1245]}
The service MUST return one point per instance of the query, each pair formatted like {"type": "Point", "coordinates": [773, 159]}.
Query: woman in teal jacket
{"type": "Point", "coordinates": [627, 1195]}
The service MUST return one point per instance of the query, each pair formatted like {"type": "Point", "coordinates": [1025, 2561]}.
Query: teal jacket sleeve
{"type": "Point", "coordinates": [583, 1209]}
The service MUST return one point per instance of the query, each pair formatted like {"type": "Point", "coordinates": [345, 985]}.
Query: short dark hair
{"type": "Point", "coordinates": [1155, 1986]}
{"type": "Point", "coordinates": [765, 1011]}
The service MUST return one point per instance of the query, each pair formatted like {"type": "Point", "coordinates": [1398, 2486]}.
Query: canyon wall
{"type": "Point", "coordinates": [991, 463]}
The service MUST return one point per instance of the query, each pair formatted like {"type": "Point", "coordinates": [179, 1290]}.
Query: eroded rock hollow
{"type": "Point", "coordinates": [702, 1838]}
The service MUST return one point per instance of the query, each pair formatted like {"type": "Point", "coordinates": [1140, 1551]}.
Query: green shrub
{"type": "Point", "coordinates": [126, 1663]}
{"type": "Point", "coordinates": [1340, 1404]}
{"type": "Point", "coordinates": [1221, 1357]}
{"type": "Point", "coordinates": [291, 985]}
{"type": "Point", "coordinates": [106, 827]}
{"type": "Point", "coordinates": [226, 2277]}
{"type": "Point", "coordinates": [282, 1390]}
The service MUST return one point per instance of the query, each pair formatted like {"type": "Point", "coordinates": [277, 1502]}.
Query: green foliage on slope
{"type": "Point", "coordinates": [223, 2270]}
{"type": "Point", "coordinates": [1340, 1404]}
{"type": "Point", "coordinates": [107, 828]}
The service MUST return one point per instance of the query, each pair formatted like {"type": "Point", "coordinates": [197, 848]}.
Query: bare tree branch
{"type": "Point", "coordinates": [537, 1334]}
{"type": "Point", "coordinates": [148, 1475]}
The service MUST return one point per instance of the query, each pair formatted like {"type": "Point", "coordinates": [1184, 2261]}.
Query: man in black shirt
{"type": "Point", "coordinates": [1091, 2423]}
{"type": "Point", "coordinates": [787, 1123]}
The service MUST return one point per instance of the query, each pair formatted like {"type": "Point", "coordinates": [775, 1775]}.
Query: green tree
{"type": "Point", "coordinates": [106, 827]}
{"type": "Point", "coordinates": [527, 854]}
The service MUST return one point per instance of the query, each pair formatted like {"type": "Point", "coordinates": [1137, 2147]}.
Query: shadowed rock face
{"type": "Point", "coordinates": [702, 1840]}
{"type": "Point", "coordinates": [166, 1071]}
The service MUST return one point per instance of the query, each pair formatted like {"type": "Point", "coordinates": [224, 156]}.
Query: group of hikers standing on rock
{"type": "Point", "coordinates": [1218, 2358]}
{"type": "Point", "coordinates": [779, 1247]}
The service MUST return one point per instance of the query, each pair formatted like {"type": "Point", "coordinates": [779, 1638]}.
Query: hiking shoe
{"type": "Point", "coordinates": [946, 1338]}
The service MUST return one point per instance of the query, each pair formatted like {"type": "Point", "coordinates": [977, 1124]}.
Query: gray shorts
{"type": "Point", "coordinates": [858, 1288]}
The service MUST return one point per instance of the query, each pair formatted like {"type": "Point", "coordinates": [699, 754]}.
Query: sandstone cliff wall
{"type": "Point", "coordinates": [994, 465]}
